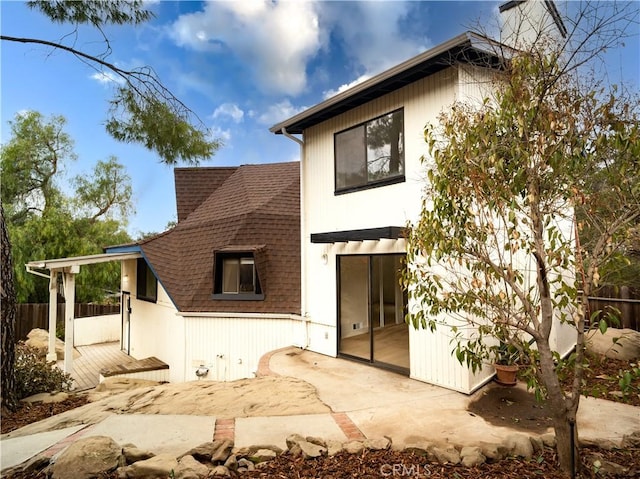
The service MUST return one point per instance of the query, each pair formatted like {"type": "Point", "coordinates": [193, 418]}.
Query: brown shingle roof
{"type": "Point", "coordinates": [253, 205]}
{"type": "Point", "coordinates": [194, 185]}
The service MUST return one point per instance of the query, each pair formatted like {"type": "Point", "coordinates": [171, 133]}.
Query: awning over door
{"type": "Point", "coordinates": [367, 234]}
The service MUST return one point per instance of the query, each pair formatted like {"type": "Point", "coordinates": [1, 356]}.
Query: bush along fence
{"type": "Point", "coordinates": [622, 302]}
{"type": "Point", "coordinates": [36, 315]}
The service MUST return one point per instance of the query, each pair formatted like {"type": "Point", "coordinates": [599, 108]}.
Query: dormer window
{"type": "Point", "coordinates": [239, 276]}
{"type": "Point", "coordinates": [370, 154]}
{"type": "Point", "coordinates": [236, 276]}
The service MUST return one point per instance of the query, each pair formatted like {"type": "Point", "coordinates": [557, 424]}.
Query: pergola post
{"type": "Point", "coordinates": [53, 312]}
{"type": "Point", "coordinates": [69, 280]}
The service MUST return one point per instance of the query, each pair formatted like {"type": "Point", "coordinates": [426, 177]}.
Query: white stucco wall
{"type": "Point", "coordinates": [529, 23]}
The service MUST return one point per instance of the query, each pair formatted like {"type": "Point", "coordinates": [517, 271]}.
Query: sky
{"type": "Point", "coordinates": [241, 66]}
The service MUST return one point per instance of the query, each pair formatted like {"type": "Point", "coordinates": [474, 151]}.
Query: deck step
{"type": "Point", "coordinates": [147, 368]}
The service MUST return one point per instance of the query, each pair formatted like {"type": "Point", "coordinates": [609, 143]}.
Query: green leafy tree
{"type": "Point", "coordinates": [143, 111]}
{"type": "Point", "coordinates": [31, 161]}
{"type": "Point", "coordinates": [529, 194]}
{"type": "Point", "coordinates": [105, 193]}
{"type": "Point", "coordinates": [47, 223]}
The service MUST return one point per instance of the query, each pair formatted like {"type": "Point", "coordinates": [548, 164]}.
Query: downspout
{"type": "Point", "coordinates": [303, 243]}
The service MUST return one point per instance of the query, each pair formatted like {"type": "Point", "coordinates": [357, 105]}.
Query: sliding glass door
{"type": "Point", "coordinates": [371, 307]}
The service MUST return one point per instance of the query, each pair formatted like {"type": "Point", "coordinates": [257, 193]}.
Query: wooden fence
{"type": "Point", "coordinates": [623, 302]}
{"type": "Point", "coordinates": [36, 315]}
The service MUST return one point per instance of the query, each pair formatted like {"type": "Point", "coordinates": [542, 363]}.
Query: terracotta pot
{"type": "Point", "coordinates": [506, 374]}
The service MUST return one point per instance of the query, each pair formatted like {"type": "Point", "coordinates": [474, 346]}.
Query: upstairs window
{"type": "Point", "coordinates": [370, 154]}
{"type": "Point", "coordinates": [146, 282]}
{"type": "Point", "coordinates": [236, 277]}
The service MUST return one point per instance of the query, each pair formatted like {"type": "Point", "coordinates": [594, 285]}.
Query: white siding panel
{"type": "Point", "coordinates": [232, 347]}
{"type": "Point", "coordinates": [383, 206]}
{"type": "Point", "coordinates": [432, 361]}
{"type": "Point", "coordinates": [96, 329]}
{"type": "Point", "coordinates": [156, 330]}
{"type": "Point", "coordinates": [474, 84]}
{"type": "Point", "coordinates": [392, 205]}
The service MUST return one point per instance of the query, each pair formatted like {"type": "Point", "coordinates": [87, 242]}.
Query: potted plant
{"type": "Point", "coordinates": [505, 363]}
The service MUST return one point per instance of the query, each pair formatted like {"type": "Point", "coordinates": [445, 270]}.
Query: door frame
{"type": "Point", "coordinates": [125, 322]}
{"type": "Point", "coordinates": [371, 361]}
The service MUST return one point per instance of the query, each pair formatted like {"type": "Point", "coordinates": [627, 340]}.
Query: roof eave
{"type": "Point", "coordinates": [467, 40]}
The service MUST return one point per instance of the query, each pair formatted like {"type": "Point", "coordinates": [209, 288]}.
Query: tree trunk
{"type": "Point", "coordinates": [566, 443]}
{"type": "Point", "coordinates": [564, 412]}
{"type": "Point", "coordinates": [7, 321]}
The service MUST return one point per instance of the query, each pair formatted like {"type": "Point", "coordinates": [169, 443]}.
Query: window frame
{"type": "Point", "coordinates": [390, 180]}
{"type": "Point", "coordinates": [143, 270]}
{"type": "Point", "coordinates": [219, 293]}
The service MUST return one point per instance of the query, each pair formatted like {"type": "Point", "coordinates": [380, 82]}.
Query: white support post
{"type": "Point", "coordinates": [69, 277]}
{"type": "Point", "coordinates": [53, 311]}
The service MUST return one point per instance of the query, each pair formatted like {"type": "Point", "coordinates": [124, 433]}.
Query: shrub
{"type": "Point", "coordinates": [34, 375]}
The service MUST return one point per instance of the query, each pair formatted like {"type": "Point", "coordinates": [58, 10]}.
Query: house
{"type": "Point", "coordinates": [222, 287]}
{"type": "Point", "coordinates": [308, 254]}
{"type": "Point", "coordinates": [362, 181]}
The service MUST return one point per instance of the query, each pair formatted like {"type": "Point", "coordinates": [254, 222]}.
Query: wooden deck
{"type": "Point", "coordinates": [93, 358]}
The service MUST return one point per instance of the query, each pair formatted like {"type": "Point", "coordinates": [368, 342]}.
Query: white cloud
{"type": "Point", "coordinates": [229, 109]}
{"type": "Point", "coordinates": [278, 112]}
{"type": "Point", "coordinates": [372, 33]}
{"type": "Point", "coordinates": [107, 77]}
{"type": "Point", "coordinates": [276, 39]}
{"type": "Point", "coordinates": [346, 86]}
{"type": "Point", "coordinates": [220, 134]}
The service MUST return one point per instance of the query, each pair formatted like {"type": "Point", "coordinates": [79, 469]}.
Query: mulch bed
{"type": "Point", "coordinates": [601, 379]}
{"type": "Point", "coordinates": [28, 413]}
{"type": "Point", "coordinates": [381, 464]}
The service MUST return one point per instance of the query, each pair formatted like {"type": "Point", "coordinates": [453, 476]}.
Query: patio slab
{"type": "Point", "coordinates": [17, 450]}
{"type": "Point", "coordinates": [275, 429]}
{"type": "Point", "coordinates": [174, 434]}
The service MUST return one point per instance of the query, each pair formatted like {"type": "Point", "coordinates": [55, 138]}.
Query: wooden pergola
{"type": "Point", "coordinates": [67, 268]}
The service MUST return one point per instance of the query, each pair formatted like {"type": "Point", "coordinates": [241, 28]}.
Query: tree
{"type": "Point", "coordinates": [529, 195]}
{"type": "Point", "coordinates": [46, 222]}
{"type": "Point", "coordinates": [37, 152]}
{"type": "Point", "coordinates": [7, 320]}
{"type": "Point", "coordinates": [106, 192]}
{"type": "Point", "coordinates": [143, 111]}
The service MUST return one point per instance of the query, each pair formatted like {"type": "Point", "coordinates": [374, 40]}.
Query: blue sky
{"type": "Point", "coordinates": [242, 66]}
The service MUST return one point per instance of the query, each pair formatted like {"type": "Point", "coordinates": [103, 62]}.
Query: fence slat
{"type": "Point", "coordinates": [36, 315]}
{"type": "Point", "coordinates": [629, 311]}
